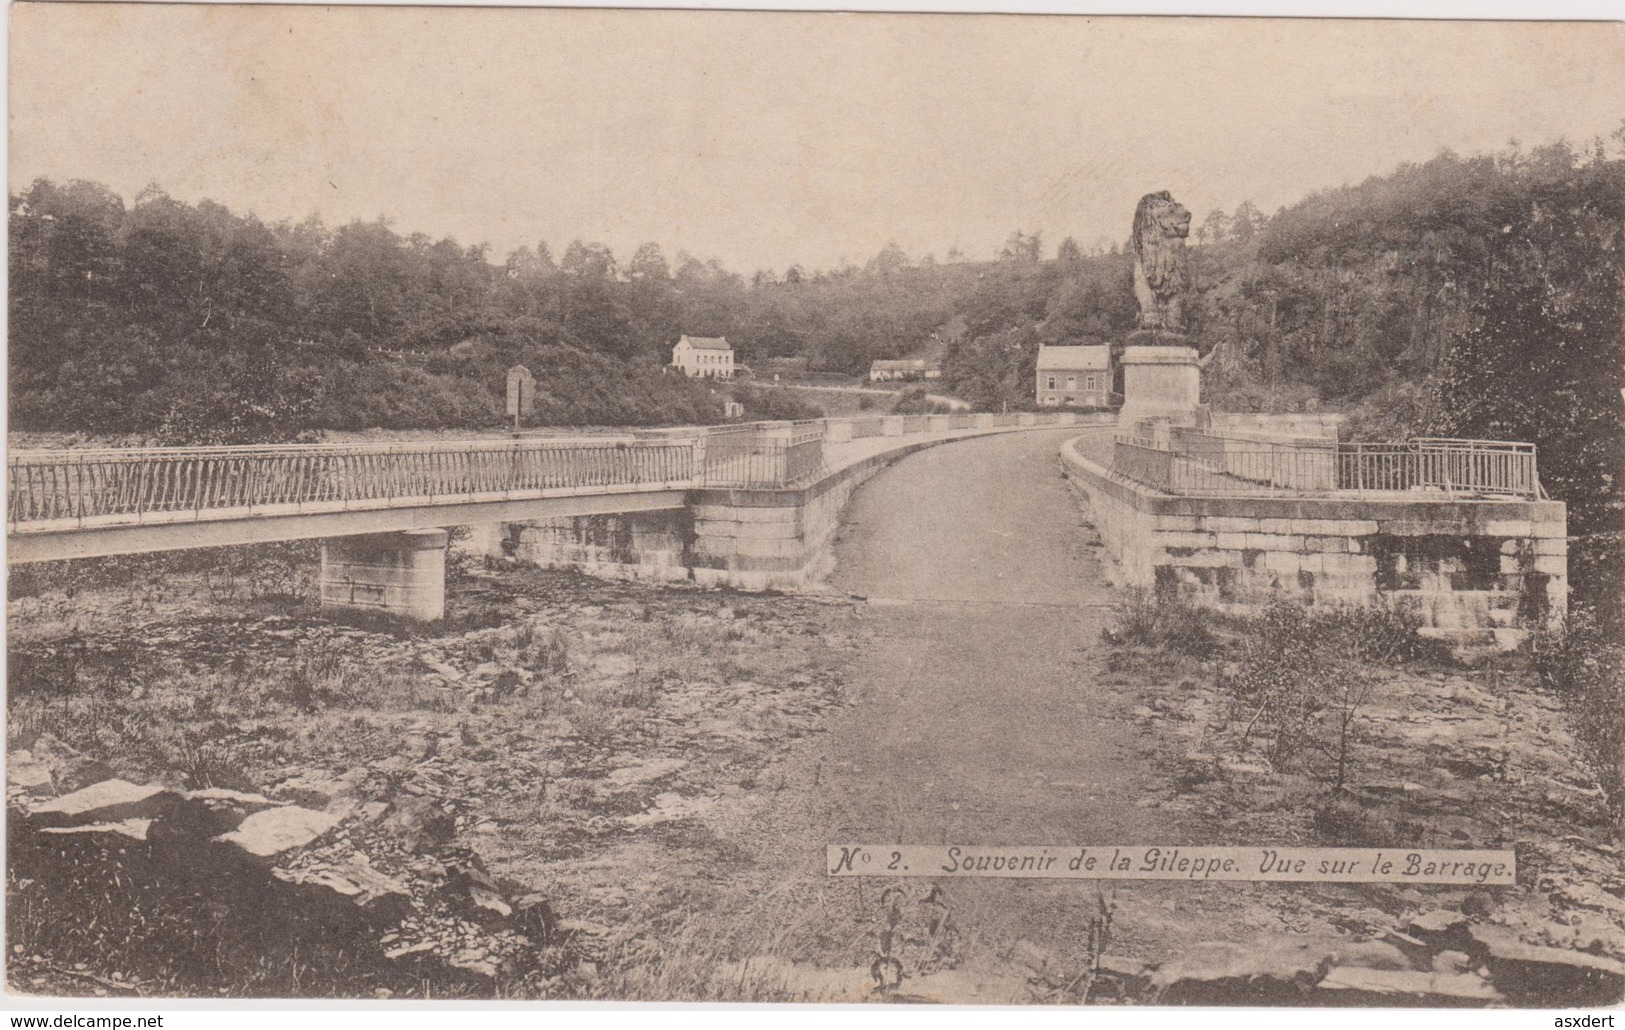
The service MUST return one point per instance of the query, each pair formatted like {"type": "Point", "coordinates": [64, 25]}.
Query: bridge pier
{"type": "Point", "coordinates": [400, 573]}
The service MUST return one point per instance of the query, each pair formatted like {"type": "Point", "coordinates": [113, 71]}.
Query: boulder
{"type": "Point", "coordinates": [1391, 988]}
{"type": "Point", "coordinates": [268, 834]}
{"type": "Point", "coordinates": [109, 801]}
{"type": "Point", "coordinates": [1272, 970]}
{"type": "Point", "coordinates": [1547, 977]}
{"type": "Point", "coordinates": [1369, 955]}
{"type": "Point", "coordinates": [70, 769]}
{"type": "Point", "coordinates": [474, 891]}
{"type": "Point", "coordinates": [419, 822]}
{"type": "Point", "coordinates": [25, 774]}
{"type": "Point", "coordinates": [123, 831]}
{"type": "Point", "coordinates": [1440, 929]}
{"type": "Point", "coordinates": [353, 881]}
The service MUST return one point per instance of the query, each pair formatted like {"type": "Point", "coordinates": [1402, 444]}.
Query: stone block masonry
{"type": "Point", "coordinates": [741, 538]}
{"type": "Point", "coordinates": [401, 573]}
{"type": "Point", "coordinates": [1479, 572]}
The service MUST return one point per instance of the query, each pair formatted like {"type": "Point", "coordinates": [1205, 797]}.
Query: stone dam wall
{"type": "Point", "coordinates": [1479, 572]}
{"type": "Point", "coordinates": [741, 538]}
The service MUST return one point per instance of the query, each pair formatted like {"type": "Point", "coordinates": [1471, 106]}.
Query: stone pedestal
{"type": "Point", "coordinates": [400, 573]}
{"type": "Point", "coordinates": [1160, 382]}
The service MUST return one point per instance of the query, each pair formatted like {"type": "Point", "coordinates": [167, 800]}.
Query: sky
{"type": "Point", "coordinates": [766, 139]}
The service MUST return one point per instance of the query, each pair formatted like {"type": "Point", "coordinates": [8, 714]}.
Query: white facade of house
{"type": "Point", "coordinates": [916, 368]}
{"type": "Point", "coordinates": [704, 356]}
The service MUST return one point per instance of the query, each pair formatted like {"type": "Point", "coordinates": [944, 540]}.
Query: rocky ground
{"type": "Point", "coordinates": [592, 718]}
{"type": "Point", "coordinates": [1443, 755]}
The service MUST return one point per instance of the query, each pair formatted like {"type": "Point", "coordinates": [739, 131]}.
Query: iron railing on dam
{"type": "Point", "coordinates": [51, 485]}
{"type": "Point", "coordinates": [1206, 464]}
{"type": "Point", "coordinates": [46, 489]}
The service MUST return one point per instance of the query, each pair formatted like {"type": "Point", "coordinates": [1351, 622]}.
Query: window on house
{"type": "Point", "coordinates": [1091, 382]}
{"type": "Point", "coordinates": [1071, 383]}
{"type": "Point", "coordinates": [1050, 383]}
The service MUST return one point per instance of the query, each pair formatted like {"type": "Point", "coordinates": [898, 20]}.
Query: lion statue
{"type": "Point", "coordinates": [1160, 272]}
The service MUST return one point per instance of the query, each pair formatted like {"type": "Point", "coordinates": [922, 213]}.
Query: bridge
{"type": "Point", "coordinates": [1224, 516]}
{"type": "Point", "coordinates": [384, 507]}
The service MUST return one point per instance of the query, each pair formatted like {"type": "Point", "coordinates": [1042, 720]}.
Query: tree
{"type": "Point", "coordinates": [1215, 228]}
{"type": "Point", "coordinates": [648, 265]}
{"type": "Point", "coordinates": [1540, 363]}
{"type": "Point", "coordinates": [889, 261]}
{"type": "Point", "coordinates": [1247, 222]}
{"type": "Point", "coordinates": [1022, 247]}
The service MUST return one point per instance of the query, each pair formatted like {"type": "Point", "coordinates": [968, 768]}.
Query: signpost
{"type": "Point", "coordinates": [521, 393]}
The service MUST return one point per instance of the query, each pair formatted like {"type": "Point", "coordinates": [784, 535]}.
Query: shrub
{"type": "Point", "coordinates": [916, 401]}
{"type": "Point", "coordinates": [774, 405]}
{"type": "Point", "coordinates": [1163, 623]}
{"type": "Point", "coordinates": [1586, 665]}
{"type": "Point", "coordinates": [1303, 675]}
{"type": "Point", "coordinates": [1382, 634]}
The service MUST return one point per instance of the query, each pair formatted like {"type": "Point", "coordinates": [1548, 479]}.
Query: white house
{"type": "Point", "coordinates": [915, 368]}
{"type": "Point", "coordinates": [708, 356]}
{"type": "Point", "coordinates": [1074, 375]}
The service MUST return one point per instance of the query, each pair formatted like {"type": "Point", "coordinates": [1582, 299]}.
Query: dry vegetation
{"type": "Point", "coordinates": [575, 730]}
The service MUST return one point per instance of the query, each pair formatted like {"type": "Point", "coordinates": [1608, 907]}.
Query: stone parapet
{"type": "Point", "coordinates": [1478, 571]}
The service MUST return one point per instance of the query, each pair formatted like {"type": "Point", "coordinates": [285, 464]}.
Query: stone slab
{"type": "Point", "coordinates": [269, 833]}
{"type": "Point", "coordinates": [106, 802]}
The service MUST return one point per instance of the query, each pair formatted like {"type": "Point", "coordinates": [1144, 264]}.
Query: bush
{"type": "Point", "coordinates": [1585, 664]}
{"type": "Point", "coordinates": [1163, 623]}
{"type": "Point", "coordinates": [916, 401]}
{"type": "Point", "coordinates": [247, 572]}
{"type": "Point", "coordinates": [774, 405]}
{"type": "Point", "coordinates": [1304, 675]}
{"type": "Point", "coordinates": [1382, 634]}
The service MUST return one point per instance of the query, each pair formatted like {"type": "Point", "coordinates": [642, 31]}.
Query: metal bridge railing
{"type": "Point", "coordinates": [1195, 463]}
{"type": "Point", "coordinates": [765, 458]}
{"type": "Point", "coordinates": [1454, 466]}
{"type": "Point", "coordinates": [45, 486]}
{"type": "Point", "coordinates": [124, 485]}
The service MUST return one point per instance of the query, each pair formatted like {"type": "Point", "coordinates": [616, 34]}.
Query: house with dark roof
{"type": "Point", "coordinates": [1074, 375]}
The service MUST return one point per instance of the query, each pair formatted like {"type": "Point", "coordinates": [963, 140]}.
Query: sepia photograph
{"type": "Point", "coordinates": [560, 505]}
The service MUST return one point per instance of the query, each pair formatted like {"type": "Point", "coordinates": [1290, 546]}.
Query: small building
{"type": "Point", "coordinates": [705, 356]}
{"type": "Point", "coordinates": [1074, 375]}
{"type": "Point", "coordinates": [915, 368]}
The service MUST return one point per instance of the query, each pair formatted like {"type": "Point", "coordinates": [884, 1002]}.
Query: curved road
{"type": "Point", "coordinates": [978, 715]}
{"type": "Point", "coordinates": [980, 720]}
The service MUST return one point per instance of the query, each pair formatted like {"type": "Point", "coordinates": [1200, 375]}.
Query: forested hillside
{"type": "Point", "coordinates": [1472, 296]}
